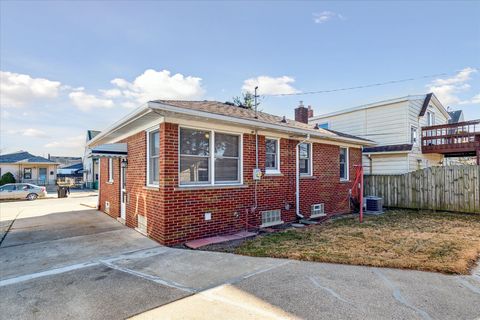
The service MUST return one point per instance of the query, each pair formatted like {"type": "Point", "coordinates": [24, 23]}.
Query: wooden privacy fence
{"type": "Point", "coordinates": [450, 188]}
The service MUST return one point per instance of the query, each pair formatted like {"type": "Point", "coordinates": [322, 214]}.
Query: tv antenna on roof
{"type": "Point", "coordinates": [255, 96]}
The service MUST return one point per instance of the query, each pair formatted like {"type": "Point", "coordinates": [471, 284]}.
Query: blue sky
{"type": "Point", "coordinates": [72, 66]}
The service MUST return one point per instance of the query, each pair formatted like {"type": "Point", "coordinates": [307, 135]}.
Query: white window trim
{"type": "Point", "coordinates": [416, 128]}
{"type": "Point", "coordinates": [277, 170]}
{"type": "Point", "coordinates": [211, 159]}
{"type": "Point", "coordinates": [147, 182]}
{"type": "Point", "coordinates": [310, 161]}
{"type": "Point", "coordinates": [110, 170]}
{"type": "Point", "coordinates": [347, 163]}
{"type": "Point", "coordinates": [432, 117]}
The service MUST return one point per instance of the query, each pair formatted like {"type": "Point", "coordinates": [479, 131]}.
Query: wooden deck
{"type": "Point", "coordinates": [460, 139]}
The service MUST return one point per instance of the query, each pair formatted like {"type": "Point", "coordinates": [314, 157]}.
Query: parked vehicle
{"type": "Point", "coordinates": [22, 191]}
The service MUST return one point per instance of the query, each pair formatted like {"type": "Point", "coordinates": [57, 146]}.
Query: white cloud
{"type": "Point", "coordinates": [17, 89]}
{"type": "Point", "coordinates": [75, 142]}
{"type": "Point", "coordinates": [30, 132]}
{"type": "Point", "coordinates": [270, 85]}
{"type": "Point", "coordinates": [86, 102]}
{"type": "Point", "coordinates": [447, 89]}
{"type": "Point", "coordinates": [474, 100]}
{"type": "Point", "coordinates": [326, 16]}
{"type": "Point", "coordinates": [152, 85]}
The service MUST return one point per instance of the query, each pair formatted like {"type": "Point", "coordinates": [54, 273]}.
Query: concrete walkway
{"type": "Point", "coordinates": [61, 259]}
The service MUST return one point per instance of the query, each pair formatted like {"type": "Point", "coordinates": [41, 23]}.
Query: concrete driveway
{"type": "Point", "coordinates": [62, 259]}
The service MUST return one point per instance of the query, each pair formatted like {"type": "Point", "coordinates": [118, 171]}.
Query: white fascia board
{"type": "Point", "coordinates": [250, 123]}
{"type": "Point", "coordinates": [440, 106]}
{"type": "Point", "coordinates": [140, 111]}
{"type": "Point", "coordinates": [385, 152]}
{"type": "Point", "coordinates": [368, 106]}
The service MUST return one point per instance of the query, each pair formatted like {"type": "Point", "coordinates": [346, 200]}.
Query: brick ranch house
{"type": "Point", "coordinates": [182, 170]}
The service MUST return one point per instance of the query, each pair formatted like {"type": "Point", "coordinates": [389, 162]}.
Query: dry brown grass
{"type": "Point", "coordinates": [441, 242]}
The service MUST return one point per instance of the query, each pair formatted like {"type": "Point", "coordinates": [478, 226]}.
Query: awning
{"type": "Point", "coordinates": [110, 150]}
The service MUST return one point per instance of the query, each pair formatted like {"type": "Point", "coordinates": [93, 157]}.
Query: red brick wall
{"type": "Point", "coordinates": [110, 191]}
{"type": "Point", "coordinates": [175, 215]}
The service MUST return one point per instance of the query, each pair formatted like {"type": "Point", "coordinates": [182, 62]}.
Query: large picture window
{"type": "Point", "coordinates": [153, 155]}
{"type": "Point", "coordinates": [305, 159]}
{"type": "Point", "coordinates": [343, 163]}
{"type": "Point", "coordinates": [208, 157]}
{"type": "Point", "coordinates": [272, 156]}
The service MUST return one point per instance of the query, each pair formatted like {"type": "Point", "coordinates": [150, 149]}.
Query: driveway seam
{"type": "Point", "coordinates": [145, 276]}
{"type": "Point", "coordinates": [397, 295]}
{"type": "Point", "coordinates": [9, 227]}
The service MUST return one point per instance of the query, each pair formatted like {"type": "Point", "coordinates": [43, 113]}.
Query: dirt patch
{"type": "Point", "coordinates": [429, 241]}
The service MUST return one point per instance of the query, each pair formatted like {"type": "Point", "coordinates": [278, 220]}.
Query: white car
{"type": "Point", "coordinates": [22, 191]}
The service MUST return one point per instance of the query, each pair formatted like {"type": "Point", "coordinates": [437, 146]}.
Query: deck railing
{"type": "Point", "coordinates": [451, 138]}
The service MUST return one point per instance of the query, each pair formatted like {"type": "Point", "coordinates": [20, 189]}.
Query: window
{"type": "Point", "coordinates": [10, 187]}
{"type": "Point", "coordinates": [343, 163]}
{"type": "Point", "coordinates": [430, 118]}
{"type": "Point", "coordinates": [196, 157]}
{"type": "Point", "coordinates": [227, 158]}
{"type": "Point", "coordinates": [271, 218]}
{"type": "Point", "coordinates": [153, 155]}
{"type": "Point", "coordinates": [27, 173]}
{"type": "Point", "coordinates": [272, 156]}
{"type": "Point", "coordinates": [110, 170]}
{"type": "Point", "coordinates": [304, 159]}
{"type": "Point", "coordinates": [323, 125]}
{"type": "Point", "coordinates": [413, 135]}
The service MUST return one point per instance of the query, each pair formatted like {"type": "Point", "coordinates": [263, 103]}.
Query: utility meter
{"type": "Point", "coordinates": [257, 174]}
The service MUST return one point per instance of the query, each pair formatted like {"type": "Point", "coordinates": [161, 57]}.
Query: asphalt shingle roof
{"type": "Point", "coordinates": [220, 108]}
{"type": "Point", "coordinates": [455, 116]}
{"type": "Point", "coordinates": [92, 134]}
{"type": "Point", "coordinates": [22, 156]}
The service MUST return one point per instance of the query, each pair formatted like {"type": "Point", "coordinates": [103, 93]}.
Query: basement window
{"type": "Point", "coordinates": [271, 218]}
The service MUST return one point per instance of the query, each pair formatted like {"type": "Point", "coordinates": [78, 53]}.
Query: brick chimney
{"type": "Point", "coordinates": [301, 113]}
{"type": "Point", "coordinates": [310, 111]}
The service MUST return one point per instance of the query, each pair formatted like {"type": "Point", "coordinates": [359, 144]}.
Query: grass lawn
{"type": "Point", "coordinates": [441, 241]}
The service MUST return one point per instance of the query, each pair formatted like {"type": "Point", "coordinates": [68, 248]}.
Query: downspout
{"type": "Point", "coordinates": [297, 176]}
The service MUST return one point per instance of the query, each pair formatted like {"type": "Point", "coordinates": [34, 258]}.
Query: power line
{"type": "Point", "coordinates": [363, 86]}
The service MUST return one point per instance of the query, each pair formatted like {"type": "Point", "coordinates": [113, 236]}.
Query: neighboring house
{"type": "Point", "coordinates": [182, 170]}
{"type": "Point", "coordinates": [90, 164]}
{"type": "Point", "coordinates": [456, 116]}
{"type": "Point", "coordinates": [395, 125]}
{"type": "Point", "coordinates": [29, 168]}
{"type": "Point", "coordinates": [72, 170]}
{"type": "Point", "coordinates": [65, 161]}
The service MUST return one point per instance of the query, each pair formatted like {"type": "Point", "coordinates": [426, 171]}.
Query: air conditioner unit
{"type": "Point", "coordinates": [373, 205]}
{"type": "Point", "coordinates": [318, 210]}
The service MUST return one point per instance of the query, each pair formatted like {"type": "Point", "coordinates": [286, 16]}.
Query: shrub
{"type": "Point", "coordinates": [7, 178]}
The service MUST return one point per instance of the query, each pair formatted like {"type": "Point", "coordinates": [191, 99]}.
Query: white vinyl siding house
{"type": "Point", "coordinates": [390, 123]}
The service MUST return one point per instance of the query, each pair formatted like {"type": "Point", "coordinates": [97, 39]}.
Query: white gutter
{"type": "Point", "coordinates": [137, 113]}
{"type": "Point", "coordinates": [253, 123]}
{"type": "Point", "coordinates": [297, 176]}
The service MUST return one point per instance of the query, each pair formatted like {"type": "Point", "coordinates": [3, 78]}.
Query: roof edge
{"type": "Point", "coordinates": [154, 105]}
